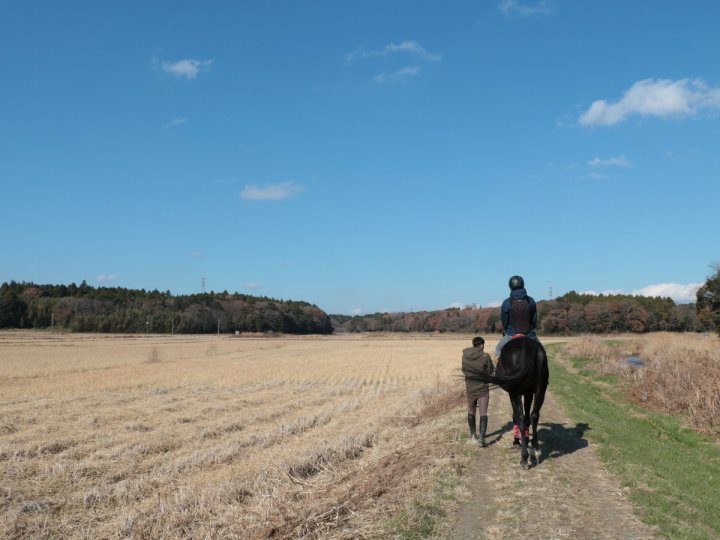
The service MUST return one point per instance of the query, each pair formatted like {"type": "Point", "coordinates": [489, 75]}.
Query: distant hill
{"type": "Point", "coordinates": [83, 308]}
{"type": "Point", "coordinates": [571, 313]}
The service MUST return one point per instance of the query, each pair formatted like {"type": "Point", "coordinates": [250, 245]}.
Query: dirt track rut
{"type": "Point", "coordinates": [569, 494]}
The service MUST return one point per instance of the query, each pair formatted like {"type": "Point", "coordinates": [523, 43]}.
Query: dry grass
{"type": "Point", "coordinates": [220, 437]}
{"type": "Point", "coordinates": [681, 373]}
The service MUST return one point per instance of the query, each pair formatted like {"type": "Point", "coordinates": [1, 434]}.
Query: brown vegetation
{"type": "Point", "coordinates": [680, 373]}
{"type": "Point", "coordinates": [200, 436]}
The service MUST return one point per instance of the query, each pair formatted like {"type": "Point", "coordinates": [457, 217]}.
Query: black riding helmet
{"type": "Point", "coordinates": [516, 282]}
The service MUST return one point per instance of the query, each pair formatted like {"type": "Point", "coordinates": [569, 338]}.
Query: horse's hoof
{"type": "Point", "coordinates": [516, 442]}
{"type": "Point", "coordinates": [533, 460]}
{"type": "Point", "coordinates": [524, 465]}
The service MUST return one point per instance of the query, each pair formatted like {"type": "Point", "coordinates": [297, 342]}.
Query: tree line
{"type": "Point", "coordinates": [571, 313]}
{"type": "Point", "coordinates": [83, 308]}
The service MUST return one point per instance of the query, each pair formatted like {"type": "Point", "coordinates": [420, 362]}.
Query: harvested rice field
{"type": "Point", "coordinates": [220, 436]}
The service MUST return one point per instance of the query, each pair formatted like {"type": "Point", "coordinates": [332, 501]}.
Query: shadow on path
{"type": "Point", "coordinates": [556, 440]}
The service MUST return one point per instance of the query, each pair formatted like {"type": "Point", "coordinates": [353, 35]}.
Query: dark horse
{"type": "Point", "coordinates": [522, 372]}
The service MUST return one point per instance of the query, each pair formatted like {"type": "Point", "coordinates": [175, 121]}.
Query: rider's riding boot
{"type": "Point", "coordinates": [483, 429]}
{"type": "Point", "coordinates": [471, 425]}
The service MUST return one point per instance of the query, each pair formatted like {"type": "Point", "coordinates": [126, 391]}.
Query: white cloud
{"type": "Point", "coordinates": [175, 122]}
{"type": "Point", "coordinates": [411, 47]}
{"type": "Point", "coordinates": [271, 192]}
{"type": "Point", "coordinates": [596, 176]}
{"type": "Point", "coordinates": [252, 285]}
{"type": "Point", "coordinates": [661, 98]}
{"type": "Point", "coordinates": [456, 305]}
{"type": "Point", "coordinates": [196, 254]}
{"type": "Point", "coordinates": [357, 311]}
{"type": "Point", "coordinates": [525, 9]}
{"type": "Point", "coordinates": [495, 303]}
{"type": "Point", "coordinates": [605, 292]}
{"type": "Point", "coordinates": [678, 292]}
{"type": "Point", "coordinates": [619, 161]}
{"type": "Point", "coordinates": [187, 68]}
{"type": "Point", "coordinates": [405, 47]}
{"type": "Point", "coordinates": [397, 76]}
{"type": "Point", "coordinates": [106, 278]}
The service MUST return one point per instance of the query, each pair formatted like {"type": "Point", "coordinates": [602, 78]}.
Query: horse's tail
{"type": "Point", "coordinates": [517, 359]}
{"type": "Point", "coordinates": [519, 372]}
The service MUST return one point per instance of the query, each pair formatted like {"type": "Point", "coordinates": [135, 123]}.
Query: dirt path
{"type": "Point", "coordinates": [568, 495]}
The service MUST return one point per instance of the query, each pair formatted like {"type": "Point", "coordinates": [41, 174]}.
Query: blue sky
{"type": "Point", "coordinates": [362, 156]}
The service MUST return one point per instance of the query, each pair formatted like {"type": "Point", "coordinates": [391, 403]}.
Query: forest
{"type": "Point", "coordinates": [82, 308]}
{"type": "Point", "coordinates": [571, 313]}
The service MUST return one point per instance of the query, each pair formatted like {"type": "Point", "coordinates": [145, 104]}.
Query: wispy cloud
{"type": "Point", "coordinates": [617, 161]}
{"type": "Point", "coordinates": [400, 75]}
{"type": "Point", "coordinates": [187, 67]}
{"type": "Point", "coordinates": [175, 122]}
{"type": "Point", "coordinates": [412, 48]}
{"type": "Point", "coordinates": [525, 9]}
{"type": "Point", "coordinates": [356, 311]}
{"type": "Point", "coordinates": [196, 254]}
{"type": "Point", "coordinates": [672, 154]}
{"type": "Point", "coordinates": [106, 278]}
{"type": "Point", "coordinates": [662, 98]}
{"type": "Point", "coordinates": [678, 292]}
{"type": "Point", "coordinates": [252, 286]}
{"type": "Point", "coordinates": [596, 176]}
{"type": "Point", "coordinates": [271, 192]}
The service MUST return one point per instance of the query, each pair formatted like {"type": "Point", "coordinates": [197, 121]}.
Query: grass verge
{"type": "Point", "coordinates": [671, 473]}
{"type": "Point", "coordinates": [427, 514]}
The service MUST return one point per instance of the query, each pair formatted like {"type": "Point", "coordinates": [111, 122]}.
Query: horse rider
{"type": "Point", "coordinates": [476, 360]}
{"type": "Point", "coordinates": [518, 314]}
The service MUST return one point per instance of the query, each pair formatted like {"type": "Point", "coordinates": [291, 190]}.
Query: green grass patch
{"type": "Point", "coordinates": [580, 362]}
{"type": "Point", "coordinates": [672, 473]}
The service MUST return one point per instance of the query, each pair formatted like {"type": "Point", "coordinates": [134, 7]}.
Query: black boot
{"type": "Point", "coordinates": [483, 429]}
{"type": "Point", "coordinates": [471, 425]}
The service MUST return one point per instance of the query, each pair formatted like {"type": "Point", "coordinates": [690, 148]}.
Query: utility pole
{"type": "Point", "coordinates": [52, 320]}
{"type": "Point", "coordinates": [218, 327]}
{"type": "Point", "coordinates": [203, 284]}
{"type": "Point", "coordinates": [551, 297]}
{"type": "Point", "coordinates": [147, 325]}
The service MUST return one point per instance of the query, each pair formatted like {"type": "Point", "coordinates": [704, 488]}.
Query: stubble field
{"type": "Point", "coordinates": [220, 436]}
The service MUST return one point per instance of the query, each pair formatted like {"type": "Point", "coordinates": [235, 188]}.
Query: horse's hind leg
{"type": "Point", "coordinates": [535, 419]}
{"type": "Point", "coordinates": [528, 403]}
{"type": "Point", "coordinates": [518, 413]}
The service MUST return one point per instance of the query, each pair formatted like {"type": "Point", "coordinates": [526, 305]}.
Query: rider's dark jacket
{"type": "Point", "coordinates": [519, 314]}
